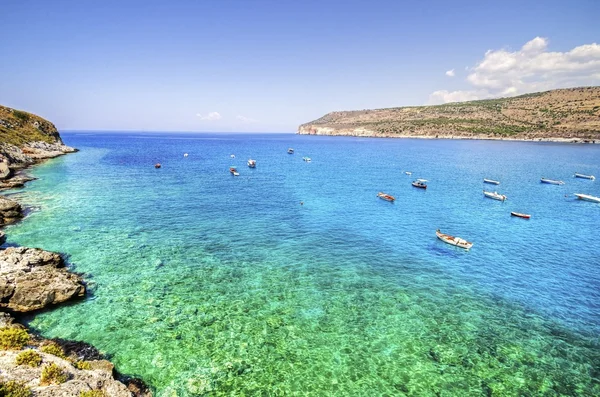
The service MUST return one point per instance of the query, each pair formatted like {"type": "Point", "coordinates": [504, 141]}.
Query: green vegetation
{"type": "Point", "coordinates": [92, 393]}
{"type": "Point", "coordinates": [53, 374]}
{"type": "Point", "coordinates": [21, 115]}
{"type": "Point", "coordinates": [54, 349]}
{"type": "Point", "coordinates": [14, 389]}
{"type": "Point", "coordinates": [29, 357]}
{"type": "Point", "coordinates": [18, 128]}
{"type": "Point", "coordinates": [82, 365]}
{"type": "Point", "coordinates": [13, 338]}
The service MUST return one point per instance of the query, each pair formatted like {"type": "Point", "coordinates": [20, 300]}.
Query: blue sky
{"type": "Point", "coordinates": [272, 65]}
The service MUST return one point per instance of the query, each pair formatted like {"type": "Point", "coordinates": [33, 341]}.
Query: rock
{"type": "Point", "coordinates": [15, 181]}
{"type": "Point", "coordinates": [10, 211]}
{"type": "Point", "coordinates": [44, 150]}
{"type": "Point", "coordinates": [5, 171]}
{"type": "Point", "coordinates": [5, 320]}
{"type": "Point", "coordinates": [31, 279]}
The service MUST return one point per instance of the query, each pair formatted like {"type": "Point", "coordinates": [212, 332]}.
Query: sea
{"type": "Point", "coordinates": [295, 279]}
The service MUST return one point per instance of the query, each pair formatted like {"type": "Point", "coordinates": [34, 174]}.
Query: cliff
{"type": "Point", "coordinates": [571, 114]}
{"type": "Point", "coordinates": [25, 139]}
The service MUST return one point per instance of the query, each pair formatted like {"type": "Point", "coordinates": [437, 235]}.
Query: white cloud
{"type": "Point", "coordinates": [212, 116]}
{"type": "Point", "coordinates": [245, 119]}
{"type": "Point", "coordinates": [531, 68]}
{"type": "Point", "coordinates": [450, 73]}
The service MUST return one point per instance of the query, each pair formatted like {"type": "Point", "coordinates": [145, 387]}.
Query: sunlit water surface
{"type": "Point", "coordinates": [205, 283]}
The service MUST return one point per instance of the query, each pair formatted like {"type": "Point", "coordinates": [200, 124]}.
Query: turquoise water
{"type": "Point", "coordinates": [207, 284]}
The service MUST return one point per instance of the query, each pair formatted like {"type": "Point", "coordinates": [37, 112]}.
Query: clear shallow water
{"type": "Point", "coordinates": [204, 283]}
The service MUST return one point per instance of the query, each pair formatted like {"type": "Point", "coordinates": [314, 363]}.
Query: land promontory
{"type": "Point", "coordinates": [569, 115]}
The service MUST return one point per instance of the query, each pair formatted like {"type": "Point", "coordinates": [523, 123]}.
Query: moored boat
{"type": "Point", "coordinates": [291, 151]}
{"type": "Point", "coordinates": [493, 182]}
{"type": "Point", "coordinates": [583, 176]}
{"type": "Point", "coordinates": [587, 197]}
{"type": "Point", "coordinates": [386, 197]}
{"type": "Point", "coordinates": [551, 181]}
{"type": "Point", "coordinates": [408, 172]}
{"type": "Point", "coordinates": [456, 241]}
{"type": "Point", "coordinates": [495, 195]}
{"type": "Point", "coordinates": [520, 215]}
{"type": "Point", "coordinates": [157, 165]}
{"type": "Point", "coordinates": [307, 159]}
{"type": "Point", "coordinates": [233, 171]}
{"type": "Point", "coordinates": [420, 183]}
{"type": "Point", "coordinates": [252, 163]}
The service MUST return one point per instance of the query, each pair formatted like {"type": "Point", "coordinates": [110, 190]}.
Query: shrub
{"type": "Point", "coordinates": [29, 357]}
{"type": "Point", "coordinates": [14, 389]}
{"type": "Point", "coordinates": [21, 115]}
{"type": "Point", "coordinates": [92, 393]}
{"type": "Point", "coordinates": [13, 338]}
{"type": "Point", "coordinates": [82, 365]}
{"type": "Point", "coordinates": [54, 349]}
{"type": "Point", "coordinates": [53, 374]}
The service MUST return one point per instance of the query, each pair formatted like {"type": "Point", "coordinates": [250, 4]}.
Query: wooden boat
{"type": "Point", "coordinates": [157, 165]}
{"type": "Point", "coordinates": [577, 175]}
{"type": "Point", "coordinates": [587, 197]}
{"type": "Point", "coordinates": [233, 171]}
{"type": "Point", "coordinates": [456, 241]}
{"type": "Point", "coordinates": [495, 195]}
{"type": "Point", "coordinates": [291, 151]}
{"type": "Point", "coordinates": [252, 163]}
{"type": "Point", "coordinates": [493, 182]}
{"type": "Point", "coordinates": [307, 159]}
{"type": "Point", "coordinates": [420, 183]}
{"type": "Point", "coordinates": [518, 214]}
{"type": "Point", "coordinates": [386, 197]}
{"type": "Point", "coordinates": [552, 181]}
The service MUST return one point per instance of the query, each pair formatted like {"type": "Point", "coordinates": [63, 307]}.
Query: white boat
{"type": "Point", "coordinates": [495, 195]}
{"type": "Point", "coordinates": [577, 175]}
{"type": "Point", "coordinates": [233, 171]}
{"type": "Point", "coordinates": [307, 159]}
{"type": "Point", "coordinates": [386, 197]}
{"type": "Point", "coordinates": [493, 182]}
{"type": "Point", "coordinates": [185, 155]}
{"type": "Point", "coordinates": [252, 163]}
{"type": "Point", "coordinates": [420, 183]}
{"type": "Point", "coordinates": [587, 197]}
{"type": "Point", "coordinates": [291, 151]}
{"type": "Point", "coordinates": [456, 241]}
{"type": "Point", "coordinates": [408, 172]}
{"type": "Point", "coordinates": [551, 181]}
{"type": "Point", "coordinates": [232, 156]}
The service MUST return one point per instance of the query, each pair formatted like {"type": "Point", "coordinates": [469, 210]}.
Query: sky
{"type": "Point", "coordinates": [268, 66]}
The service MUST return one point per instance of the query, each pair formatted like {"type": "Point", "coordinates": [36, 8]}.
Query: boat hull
{"type": "Point", "coordinates": [582, 176]}
{"type": "Point", "coordinates": [551, 181]}
{"type": "Point", "coordinates": [419, 185]}
{"type": "Point", "coordinates": [455, 241]}
{"type": "Point", "coordinates": [386, 197]}
{"type": "Point", "coordinates": [494, 196]}
{"type": "Point", "coordinates": [490, 181]}
{"type": "Point", "coordinates": [519, 215]}
{"type": "Point", "coordinates": [587, 197]}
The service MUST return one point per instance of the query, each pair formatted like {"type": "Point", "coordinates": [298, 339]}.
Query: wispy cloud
{"type": "Point", "coordinates": [450, 73]}
{"type": "Point", "coordinates": [212, 116]}
{"type": "Point", "coordinates": [245, 119]}
{"type": "Point", "coordinates": [531, 68]}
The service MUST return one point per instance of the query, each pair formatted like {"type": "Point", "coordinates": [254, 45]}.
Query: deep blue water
{"type": "Point", "coordinates": [207, 283]}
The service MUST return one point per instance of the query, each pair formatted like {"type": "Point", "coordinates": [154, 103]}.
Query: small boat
{"type": "Point", "coordinates": [157, 165]}
{"type": "Point", "coordinates": [307, 159]}
{"type": "Point", "coordinates": [518, 214]}
{"type": "Point", "coordinates": [232, 156]}
{"type": "Point", "coordinates": [493, 182]}
{"type": "Point", "coordinates": [551, 181]}
{"type": "Point", "coordinates": [495, 195]}
{"type": "Point", "coordinates": [252, 163]}
{"type": "Point", "coordinates": [587, 197]}
{"type": "Point", "coordinates": [386, 197]}
{"type": "Point", "coordinates": [185, 155]}
{"type": "Point", "coordinates": [408, 172]}
{"type": "Point", "coordinates": [456, 241]}
{"type": "Point", "coordinates": [233, 171]}
{"type": "Point", "coordinates": [420, 183]}
{"type": "Point", "coordinates": [577, 175]}
{"type": "Point", "coordinates": [290, 151]}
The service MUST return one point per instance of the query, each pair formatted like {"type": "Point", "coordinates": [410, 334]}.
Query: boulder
{"type": "Point", "coordinates": [5, 171]}
{"type": "Point", "coordinates": [10, 211]}
{"type": "Point", "coordinates": [31, 279]}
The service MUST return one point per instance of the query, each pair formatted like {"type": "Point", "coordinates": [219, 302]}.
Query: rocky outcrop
{"type": "Point", "coordinates": [565, 115]}
{"type": "Point", "coordinates": [10, 211]}
{"type": "Point", "coordinates": [32, 279]}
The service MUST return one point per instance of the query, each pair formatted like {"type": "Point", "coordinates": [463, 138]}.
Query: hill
{"type": "Point", "coordinates": [571, 114]}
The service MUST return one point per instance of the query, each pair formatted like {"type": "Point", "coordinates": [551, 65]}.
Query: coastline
{"type": "Point", "coordinates": [84, 368]}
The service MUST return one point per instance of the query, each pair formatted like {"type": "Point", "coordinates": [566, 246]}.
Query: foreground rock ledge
{"type": "Point", "coordinates": [31, 279]}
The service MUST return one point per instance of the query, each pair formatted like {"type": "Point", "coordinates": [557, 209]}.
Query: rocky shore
{"type": "Point", "coordinates": [33, 279]}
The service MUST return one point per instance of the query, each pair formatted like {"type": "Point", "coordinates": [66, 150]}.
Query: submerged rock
{"type": "Point", "coordinates": [31, 279]}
